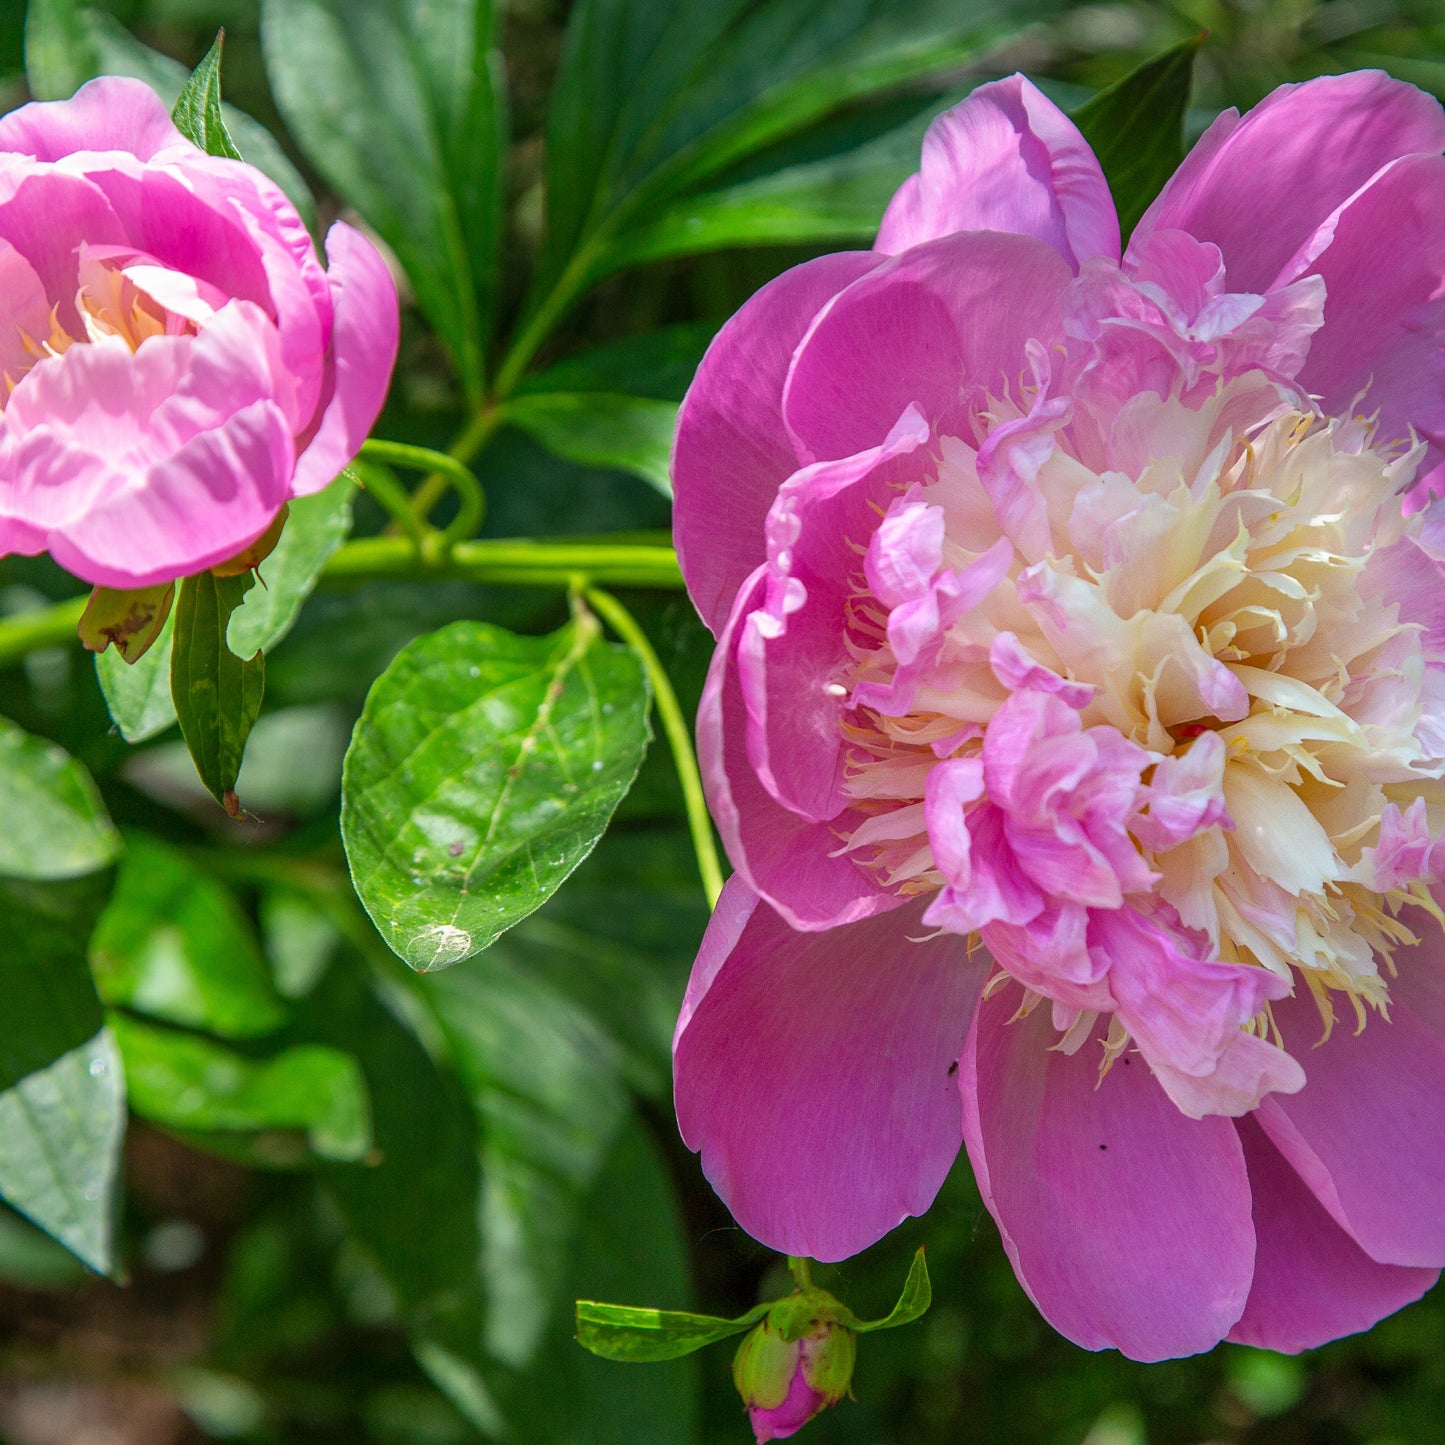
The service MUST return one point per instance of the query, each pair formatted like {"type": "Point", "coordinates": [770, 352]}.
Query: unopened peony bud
{"type": "Point", "coordinates": [793, 1365]}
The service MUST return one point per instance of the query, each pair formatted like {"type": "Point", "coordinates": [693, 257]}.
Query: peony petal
{"type": "Point", "coordinates": [363, 351]}
{"type": "Point", "coordinates": [1006, 159]}
{"type": "Point", "coordinates": [1367, 1133]}
{"type": "Point", "coordinates": [815, 1072]}
{"type": "Point", "coordinates": [1258, 187]}
{"type": "Point", "coordinates": [1312, 1282]}
{"type": "Point", "coordinates": [793, 861]}
{"type": "Point", "coordinates": [110, 114]}
{"type": "Point", "coordinates": [938, 327]}
{"type": "Point", "coordinates": [1127, 1223]}
{"type": "Point", "coordinates": [731, 452]}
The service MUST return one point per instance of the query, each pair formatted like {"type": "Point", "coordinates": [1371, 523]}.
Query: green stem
{"type": "Point", "coordinates": [471, 504]}
{"type": "Point", "coordinates": [25, 632]}
{"type": "Point", "coordinates": [470, 441]}
{"type": "Point", "coordinates": [558, 301]}
{"type": "Point", "coordinates": [380, 483]}
{"type": "Point", "coordinates": [802, 1271]}
{"type": "Point", "coordinates": [679, 739]}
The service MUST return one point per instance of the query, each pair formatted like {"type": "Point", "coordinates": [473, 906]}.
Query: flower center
{"type": "Point", "coordinates": [1099, 707]}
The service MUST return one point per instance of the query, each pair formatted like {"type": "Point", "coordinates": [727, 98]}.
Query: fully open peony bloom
{"type": "Point", "coordinates": [177, 363]}
{"type": "Point", "coordinates": [1077, 722]}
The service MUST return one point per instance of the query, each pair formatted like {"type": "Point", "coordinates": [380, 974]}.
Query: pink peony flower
{"type": "Point", "coordinates": [177, 363]}
{"type": "Point", "coordinates": [1077, 722]}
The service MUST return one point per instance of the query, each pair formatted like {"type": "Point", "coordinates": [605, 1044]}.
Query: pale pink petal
{"type": "Point", "coordinates": [363, 351]}
{"type": "Point", "coordinates": [1006, 159]}
{"type": "Point", "coordinates": [731, 452]}
{"type": "Point", "coordinates": [1312, 1282]}
{"type": "Point", "coordinates": [797, 864]}
{"type": "Point", "coordinates": [1367, 1133]}
{"type": "Point", "coordinates": [1128, 1224]}
{"type": "Point", "coordinates": [938, 327]}
{"type": "Point", "coordinates": [24, 312]}
{"type": "Point", "coordinates": [110, 114]}
{"type": "Point", "coordinates": [815, 1072]}
{"type": "Point", "coordinates": [1258, 187]}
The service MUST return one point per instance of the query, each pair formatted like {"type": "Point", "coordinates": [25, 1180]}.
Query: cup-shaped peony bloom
{"type": "Point", "coordinates": [1077, 722]}
{"type": "Point", "coordinates": [793, 1367]}
{"type": "Point", "coordinates": [177, 361]}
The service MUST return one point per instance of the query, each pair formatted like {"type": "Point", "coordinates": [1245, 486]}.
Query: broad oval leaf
{"type": "Point", "coordinates": [483, 770]}
{"type": "Point", "coordinates": [138, 694]}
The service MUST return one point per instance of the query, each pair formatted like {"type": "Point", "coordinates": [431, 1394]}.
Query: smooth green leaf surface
{"type": "Point", "coordinates": [400, 107]}
{"type": "Point", "coordinates": [658, 364]}
{"type": "Point", "coordinates": [598, 429]}
{"type": "Point", "coordinates": [67, 44]}
{"type": "Point", "coordinates": [482, 772]}
{"type": "Point", "coordinates": [1136, 128]}
{"type": "Point", "coordinates": [912, 1304]}
{"type": "Point", "coordinates": [138, 694]}
{"type": "Point", "coordinates": [60, 1135]}
{"type": "Point", "coordinates": [55, 825]}
{"type": "Point", "coordinates": [174, 944]}
{"type": "Point", "coordinates": [197, 111]}
{"type": "Point", "coordinates": [217, 694]}
{"type": "Point", "coordinates": [629, 1332]}
{"type": "Point", "coordinates": [186, 1082]}
{"type": "Point", "coordinates": [315, 527]}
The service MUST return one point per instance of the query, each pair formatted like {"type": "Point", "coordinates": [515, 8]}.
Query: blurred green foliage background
{"type": "Point", "coordinates": [281, 1291]}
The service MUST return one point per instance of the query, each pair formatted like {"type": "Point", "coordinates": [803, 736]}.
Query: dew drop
{"type": "Point", "coordinates": [96, 1068]}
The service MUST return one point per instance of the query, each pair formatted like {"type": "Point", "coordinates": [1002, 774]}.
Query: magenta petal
{"type": "Point", "coordinates": [1127, 1223]}
{"type": "Point", "coordinates": [1006, 159]}
{"type": "Point", "coordinates": [363, 351]}
{"type": "Point", "coordinates": [109, 114]}
{"type": "Point", "coordinates": [1367, 1133]}
{"type": "Point", "coordinates": [732, 452]}
{"type": "Point", "coordinates": [941, 325]}
{"type": "Point", "coordinates": [1259, 187]}
{"type": "Point", "coordinates": [1382, 347]}
{"type": "Point", "coordinates": [796, 863]}
{"type": "Point", "coordinates": [815, 1071]}
{"type": "Point", "coordinates": [1312, 1282]}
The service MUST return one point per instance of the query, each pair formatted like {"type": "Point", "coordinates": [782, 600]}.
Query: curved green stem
{"type": "Point", "coordinates": [379, 482]}
{"type": "Point", "coordinates": [679, 738]}
{"type": "Point", "coordinates": [471, 504]}
{"type": "Point", "coordinates": [470, 441]}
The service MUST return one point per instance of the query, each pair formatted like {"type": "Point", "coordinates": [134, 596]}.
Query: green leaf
{"type": "Point", "coordinates": [217, 694]}
{"type": "Point", "coordinates": [483, 770]}
{"type": "Point", "coordinates": [316, 527]}
{"type": "Point", "coordinates": [67, 44]}
{"type": "Point", "coordinates": [400, 107]}
{"type": "Point", "coordinates": [55, 823]}
{"type": "Point", "coordinates": [138, 694]}
{"type": "Point", "coordinates": [188, 1083]}
{"type": "Point", "coordinates": [912, 1304]}
{"type": "Point", "coordinates": [197, 111]}
{"type": "Point", "coordinates": [595, 429]}
{"type": "Point", "coordinates": [1136, 128]}
{"type": "Point", "coordinates": [658, 364]}
{"type": "Point", "coordinates": [173, 944]}
{"type": "Point", "coordinates": [60, 1135]}
{"type": "Point", "coordinates": [629, 1332]}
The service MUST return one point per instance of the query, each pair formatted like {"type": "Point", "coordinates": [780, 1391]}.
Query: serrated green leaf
{"type": "Point", "coordinates": [174, 944]}
{"type": "Point", "coordinates": [197, 111]}
{"type": "Point", "coordinates": [597, 429]}
{"type": "Point", "coordinates": [138, 694]}
{"type": "Point", "coordinates": [912, 1304]}
{"type": "Point", "coordinates": [316, 527]}
{"type": "Point", "coordinates": [1136, 128]}
{"type": "Point", "coordinates": [217, 695]}
{"type": "Point", "coordinates": [55, 823]}
{"type": "Point", "coordinates": [483, 770]}
{"type": "Point", "coordinates": [400, 107]}
{"type": "Point", "coordinates": [627, 1332]}
{"type": "Point", "coordinates": [189, 1083]}
{"type": "Point", "coordinates": [61, 1128]}
{"type": "Point", "coordinates": [67, 44]}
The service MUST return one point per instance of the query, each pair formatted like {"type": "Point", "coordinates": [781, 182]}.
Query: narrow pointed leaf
{"type": "Point", "coordinates": [628, 1332]}
{"type": "Point", "coordinates": [1136, 128]}
{"type": "Point", "coordinates": [217, 694]}
{"type": "Point", "coordinates": [912, 1304]}
{"type": "Point", "coordinates": [197, 111]}
{"type": "Point", "coordinates": [483, 770]}
{"type": "Point", "coordinates": [599, 429]}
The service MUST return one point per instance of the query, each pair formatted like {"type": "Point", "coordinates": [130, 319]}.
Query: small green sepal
{"type": "Point", "coordinates": [912, 1304]}
{"type": "Point", "coordinates": [127, 619]}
